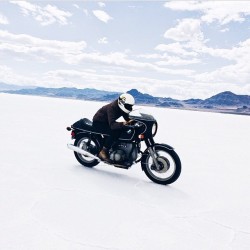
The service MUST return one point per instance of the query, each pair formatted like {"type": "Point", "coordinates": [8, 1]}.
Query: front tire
{"type": "Point", "coordinates": [169, 162]}
{"type": "Point", "coordinates": [92, 148]}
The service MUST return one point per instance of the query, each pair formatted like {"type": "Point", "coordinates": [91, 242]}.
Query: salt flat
{"type": "Point", "coordinates": [49, 201]}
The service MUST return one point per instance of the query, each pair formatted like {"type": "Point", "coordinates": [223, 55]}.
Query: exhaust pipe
{"type": "Point", "coordinates": [83, 152]}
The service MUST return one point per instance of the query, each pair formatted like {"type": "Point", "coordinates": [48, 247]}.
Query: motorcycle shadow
{"type": "Point", "coordinates": [115, 174]}
{"type": "Point", "coordinates": [105, 173]}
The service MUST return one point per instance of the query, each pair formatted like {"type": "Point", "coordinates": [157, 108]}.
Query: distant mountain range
{"type": "Point", "coordinates": [5, 86]}
{"type": "Point", "coordinates": [223, 102]}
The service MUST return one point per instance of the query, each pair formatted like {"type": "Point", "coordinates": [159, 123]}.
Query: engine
{"type": "Point", "coordinates": [123, 153]}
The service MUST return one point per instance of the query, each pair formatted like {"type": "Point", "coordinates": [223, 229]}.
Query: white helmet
{"type": "Point", "coordinates": [126, 102]}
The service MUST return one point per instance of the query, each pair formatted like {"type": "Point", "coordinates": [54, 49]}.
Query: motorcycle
{"type": "Point", "coordinates": [158, 161]}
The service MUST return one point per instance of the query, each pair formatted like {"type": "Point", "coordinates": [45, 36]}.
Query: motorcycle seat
{"type": "Point", "coordinates": [85, 124]}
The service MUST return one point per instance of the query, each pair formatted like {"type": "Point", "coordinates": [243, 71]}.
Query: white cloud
{"type": "Point", "coordinates": [101, 4]}
{"type": "Point", "coordinates": [236, 74]}
{"type": "Point", "coordinates": [235, 71]}
{"type": "Point", "coordinates": [186, 30]}
{"type": "Point", "coordinates": [3, 19]}
{"type": "Point", "coordinates": [132, 6]}
{"type": "Point", "coordinates": [45, 15]}
{"type": "Point", "coordinates": [86, 12]}
{"type": "Point", "coordinates": [224, 30]}
{"type": "Point", "coordinates": [102, 15]}
{"type": "Point", "coordinates": [115, 82]}
{"type": "Point", "coordinates": [103, 40]}
{"type": "Point", "coordinates": [56, 14]}
{"type": "Point", "coordinates": [238, 71]}
{"type": "Point", "coordinates": [222, 11]}
{"type": "Point", "coordinates": [32, 46]}
{"type": "Point", "coordinates": [227, 11]}
{"type": "Point", "coordinates": [4, 70]}
{"type": "Point", "coordinates": [180, 89]}
{"type": "Point", "coordinates": [183, 5]}
{"type": "Point", "coordinates": [8, 75]}
{"type": "Point", "coordinates": [177, 61]}
{"type": "Point", "coordinates": [121, 59]}
{"type": "Point", "coordinates": [73, 53]}
{"type": "Point", "coordinates": [239, 53]}
{"type": "Point", "coordinates": [175, 48]}
{"type": "Point", "coordinates": [166, 60]}
{"type": "Point", "coordinates": [76, 6]}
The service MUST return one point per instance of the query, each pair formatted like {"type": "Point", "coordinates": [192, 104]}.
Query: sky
{"type": "Point", "coordinates": [178, 49]}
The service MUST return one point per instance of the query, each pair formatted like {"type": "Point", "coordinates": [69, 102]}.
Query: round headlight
{"type": "Point", "coordinates": [154, 129]}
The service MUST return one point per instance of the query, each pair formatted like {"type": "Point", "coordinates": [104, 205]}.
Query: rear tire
{"type": "Point", "coordinates": [92, 148]}
{"type": "Point", "coordinates": [169, 162]}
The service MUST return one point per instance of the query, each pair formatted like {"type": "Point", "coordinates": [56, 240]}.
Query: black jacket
{"type": "Point", "coordinates": [109, 113]}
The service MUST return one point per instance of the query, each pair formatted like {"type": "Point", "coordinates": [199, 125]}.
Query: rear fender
{"type": "Point", "coordinates": [95, 137]}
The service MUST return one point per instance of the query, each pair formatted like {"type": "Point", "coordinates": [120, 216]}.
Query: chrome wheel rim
{"type": "Point", "coordinates": [167, 166]}
{"type": "Point", "coordinates": [82, 143]}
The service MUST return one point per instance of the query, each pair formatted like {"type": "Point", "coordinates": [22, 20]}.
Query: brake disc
{"type": "Point", "coordinates": [163, 163]}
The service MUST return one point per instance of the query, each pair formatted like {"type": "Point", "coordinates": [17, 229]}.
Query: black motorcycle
{"type": "Point", "coordinates": [159, 161]}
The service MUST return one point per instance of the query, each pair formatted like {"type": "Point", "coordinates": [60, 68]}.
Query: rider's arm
{"type": "Point", "coordinates": [113, 124]}
{"type": "Point", "coordinates": [126, 117]}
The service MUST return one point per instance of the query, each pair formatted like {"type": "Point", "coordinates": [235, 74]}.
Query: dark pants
{"type": "Point", "coordinates": [104, 128]}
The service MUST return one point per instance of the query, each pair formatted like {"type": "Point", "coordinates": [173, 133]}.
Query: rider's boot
{"type": "Point", "coordinates": [103, 155]}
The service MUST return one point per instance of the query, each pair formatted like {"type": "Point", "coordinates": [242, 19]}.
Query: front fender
{"type": "Point", "coordinates": [160, 145]}
{"type": "Point", "coordinates": [164, 145]}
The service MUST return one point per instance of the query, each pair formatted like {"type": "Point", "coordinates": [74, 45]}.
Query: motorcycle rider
{"type": "Point", "coordinates": [105, 121]}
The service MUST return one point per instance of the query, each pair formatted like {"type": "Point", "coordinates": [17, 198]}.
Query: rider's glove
{"type": "Point", "coordinates": [128, 122]}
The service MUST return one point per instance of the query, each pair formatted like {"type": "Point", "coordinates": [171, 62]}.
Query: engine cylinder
{"type": "Point", "coordinates": [123, 152]}
{"type": "Point", "coordinates": [117, 156]}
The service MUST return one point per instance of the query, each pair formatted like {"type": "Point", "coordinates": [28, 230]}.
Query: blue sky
{"type": "Point", "coordinates": [179, 49]}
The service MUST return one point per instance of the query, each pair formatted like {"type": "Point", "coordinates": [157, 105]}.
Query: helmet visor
{"type": "Point", "coordinates": [128, 106]}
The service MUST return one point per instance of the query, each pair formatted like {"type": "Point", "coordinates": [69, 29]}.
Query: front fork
{"type": "Point", "coordinates": [151, 149]}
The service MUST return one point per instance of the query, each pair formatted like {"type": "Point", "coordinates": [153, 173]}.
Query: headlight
{"type": "Point", "coordinates": [154, 129]}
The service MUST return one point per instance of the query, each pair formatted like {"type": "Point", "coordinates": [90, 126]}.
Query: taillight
{"type": "Point", "coordinates": [73, 134]}
{"type": "Point", "coordinates": [141, 136]}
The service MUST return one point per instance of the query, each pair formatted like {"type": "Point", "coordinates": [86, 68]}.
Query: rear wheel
{"type": "Point", "coordinates": [89, 146]}
{"type": "Point", "coordinates": [169, 165]}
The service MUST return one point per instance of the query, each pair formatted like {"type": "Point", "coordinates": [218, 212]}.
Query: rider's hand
{"type": "Point", "coordinates": [128, 122]}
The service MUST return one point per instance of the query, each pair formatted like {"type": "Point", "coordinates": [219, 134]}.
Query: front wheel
{"type": "Point", "coordinates": [169, 165]}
